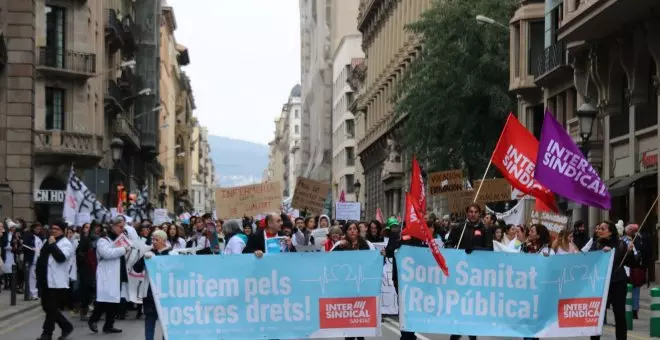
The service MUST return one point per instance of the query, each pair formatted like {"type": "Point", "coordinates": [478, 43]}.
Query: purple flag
{"type": "Point", "coordinates": [562, 168]}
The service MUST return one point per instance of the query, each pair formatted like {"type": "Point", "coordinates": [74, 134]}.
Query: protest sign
{"type": "Point", "coordinates": [79, 201]}
{"type": "Point", "coordinates": [445, 181]}
{"type": "Point", "coordinates": [310, 195]}
{"type": "Point", "coordinates": [503, 294]}
{"type": "Point", "coordinates": [554, 222]}
{"type": "Point", "coordinates": [347, 211]}
{"type": "Point", "coordinates": [285, 296]}
{"type": "Point", "coordinates": [248, 200]}
{"type": "Point", "coordinates": [160, 216]}
{"type": "Point", "coordinates": [493, 190]}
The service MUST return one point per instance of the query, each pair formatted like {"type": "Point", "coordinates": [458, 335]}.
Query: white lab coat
{"type": "Point", "coordinates": [9, 257]}
{"type": "Point", "coordinates": [73, 262]}
{"type": "Point", "coordinates": [58, 272]}
{"type": "Point", "coordinates": [108, 276]}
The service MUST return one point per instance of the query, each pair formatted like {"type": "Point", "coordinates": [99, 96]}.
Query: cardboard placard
{"type": "Point", "coordinates": [445, 181]}
{"type": "Point", "coordinates": [493, 190]}
{"type": "Point", "coordinates": [554, 222]}
{"type": "Point", "coordinates": [248, 200]}
{"type": "Point", "coordinates": [310, 195]}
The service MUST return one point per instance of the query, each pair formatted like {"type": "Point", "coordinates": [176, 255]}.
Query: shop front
{"type": "Point", "coordinates": [49, 200]}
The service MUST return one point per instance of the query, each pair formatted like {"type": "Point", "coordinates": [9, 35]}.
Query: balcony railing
{"type": "Point", "coordinates": [130, 33]}
{"type": "Point", "coordinates": [125, 130]}
{"type": "Point", "coordinates": [60, 62]}
{"type": "Point", "coordinates": [130, 84]}
{"type": "Point", "coordinates": [552, 58]}
{"type": "Point", "coordinates": [114, 32]}
{"type": "Point", "coordinates": [113, 98]}
{"type": "Point", "coordinates": [68, 143]}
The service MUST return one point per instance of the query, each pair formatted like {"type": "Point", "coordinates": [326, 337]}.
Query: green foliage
{"type": "Point", "coordinates": [455, 94]}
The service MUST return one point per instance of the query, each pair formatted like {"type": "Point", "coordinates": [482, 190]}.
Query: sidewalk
{"type": "Point", "coordinates": [8, 311]}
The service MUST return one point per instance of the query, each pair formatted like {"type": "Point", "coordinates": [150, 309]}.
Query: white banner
{"type": "Point", "coordinates": [515, 215]}
{"type": "Point", "coordinates": [79, 201]}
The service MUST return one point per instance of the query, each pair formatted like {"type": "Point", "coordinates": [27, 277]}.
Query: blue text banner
{"type": "Point", "coordinates": [503, 294]}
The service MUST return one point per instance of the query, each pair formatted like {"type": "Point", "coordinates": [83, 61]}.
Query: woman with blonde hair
{"type": "Point", "coordinates": [564, 243]}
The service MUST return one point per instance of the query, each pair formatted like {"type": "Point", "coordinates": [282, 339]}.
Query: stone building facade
{"type": "Point", "coordinates": [606, 53]}
{"type": "Point", "coordinates": [17, 92]}
{"type": "Point", "coordinates": [388, 49]}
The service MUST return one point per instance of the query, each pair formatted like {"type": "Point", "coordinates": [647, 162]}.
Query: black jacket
{"type": "Point", "coordinates": [256, 241]}
{"type": "Point", "coordinates": [395, 243]}
{"type": "Point", "coordinates": [619, 248]}
{"type": "Point", "coordinates": [470, 240]}
{"type": "Point", "coordinates": [28, 240]}
{"type": "Point", "coordinates": [148, 303]}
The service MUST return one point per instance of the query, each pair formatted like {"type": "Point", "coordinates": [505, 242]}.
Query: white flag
{"type": "Point", "coordinates": [79, 201]}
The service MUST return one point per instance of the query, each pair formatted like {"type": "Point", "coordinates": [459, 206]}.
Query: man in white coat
{"type": "Point", "coordinates": [53, 280]}
{"type": "Point", "coordinates": [110, 274]}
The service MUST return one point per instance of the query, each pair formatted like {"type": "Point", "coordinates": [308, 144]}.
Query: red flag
{"type": "Point", "coordinates": [541, 207]}
{"type": "Point", "coordinates": [413, 226]}
{"type": "Point", "coordinates": [342, 196]}
{"type": "Point", "coordinates": [515, 157]}
{"type": "Point", "coordinates": [417, 190]}
{"type": "Point", "coordinates": [417, 193]}
{"type": "Point", "coordinates": [420, 231]}
{"type": "Point", "coordinates": [379, 216]}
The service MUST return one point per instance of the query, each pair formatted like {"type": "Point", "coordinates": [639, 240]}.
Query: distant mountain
{"type": "Point", "coordinates": [238, 162]}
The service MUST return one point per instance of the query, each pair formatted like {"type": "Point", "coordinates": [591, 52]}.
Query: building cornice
{"type": "Point", "coordinates": [373, 18]}
{"type": "Point", "coordinates": [170, 19]}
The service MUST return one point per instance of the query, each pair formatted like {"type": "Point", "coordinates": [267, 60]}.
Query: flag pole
{"type": "Point", "coordinates": [483, 178]}
{"type": "Point", "coordinates": [640, 229]}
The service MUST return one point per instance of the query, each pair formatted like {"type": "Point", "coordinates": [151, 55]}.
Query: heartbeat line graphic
{"type": "Point", "coordinates": [569, 275]}
{"type": "Point", "coordinates": [341, 273]}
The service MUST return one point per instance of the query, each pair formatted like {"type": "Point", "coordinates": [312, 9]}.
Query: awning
{"type": "Point", "coordinates": [610, 182]}
{"type": "Point", "coordinates": [620, 187]}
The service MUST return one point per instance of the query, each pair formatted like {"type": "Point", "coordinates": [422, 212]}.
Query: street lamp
{"type": "Point", "coordinates": [162, 194]}
{"type": "Point", "coordinates": [117, 147]}
{"type": "Point", "coordinates": [586, 116]}
{"type": "Point", "coordinates": [357, 185]}
{"type": "Point", "coordinates": [486, 20]}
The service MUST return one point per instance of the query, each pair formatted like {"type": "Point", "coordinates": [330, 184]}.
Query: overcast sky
{"type": "Point", "coordinates": [244, 60]}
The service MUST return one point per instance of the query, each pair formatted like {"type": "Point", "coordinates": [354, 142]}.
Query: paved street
{"type": "Point", "coordinates": [27, 326]}
{"type": "Point", "coordinates": [23, 322]}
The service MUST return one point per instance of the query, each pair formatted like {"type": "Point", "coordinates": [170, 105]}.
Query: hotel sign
{"type": "Point", "coordinates": [49, 196]}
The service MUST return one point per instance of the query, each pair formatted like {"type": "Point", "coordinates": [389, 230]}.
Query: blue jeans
{"type": "Point", "coordinates": [635, 297]}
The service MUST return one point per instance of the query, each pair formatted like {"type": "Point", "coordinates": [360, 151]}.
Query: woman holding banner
{"type": "Point", "coordinates": [352, 239]}
{"type": "Point", "coordinates": [160, 247]}
{"type": "Point", "coordinates": [607, 239]}
{"type": "Point", "coordinates": [235, 239]}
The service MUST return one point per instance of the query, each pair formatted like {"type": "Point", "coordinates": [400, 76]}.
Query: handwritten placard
{"type": "Point", "coordinates": [310, 195]}
{"type": "Point", "coordinates": [493, 190]}
{"type": "Point", "coordinates": [445, 181]}
{"type": "Point", "coordinates": [248, 200]}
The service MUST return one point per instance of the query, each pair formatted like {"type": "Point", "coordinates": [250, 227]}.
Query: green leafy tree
{"type": "Point", "coordinates": [454, 95]}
